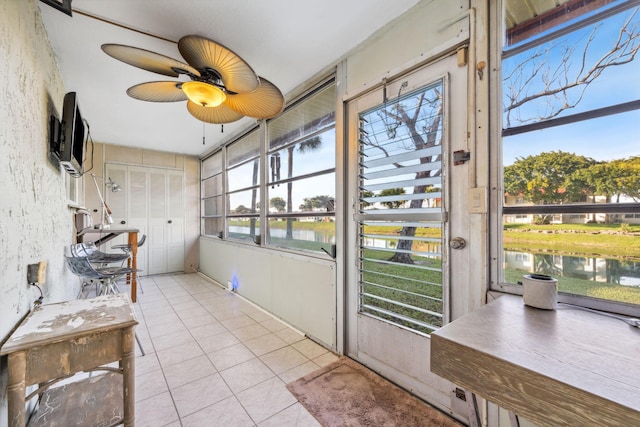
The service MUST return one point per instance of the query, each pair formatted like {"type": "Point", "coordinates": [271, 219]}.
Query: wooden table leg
{"type": "Point", "coordinates": [133, 242]}
{"type": "Point", "coordinates": [16, 388]}
{"type": "Point", "coordinates": [128, 375]}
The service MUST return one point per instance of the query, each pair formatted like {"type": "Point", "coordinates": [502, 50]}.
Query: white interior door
{"type": "Point", "coordinates": [157, 221]}
{"type": "Point", "coordinates": [138, 210]}
{"type": "Point", "coordinates": [175, 221]}
{"type": "Point", "coordinates": [152, 201]}
{"type": "Point", "coordinates": [398, 272]}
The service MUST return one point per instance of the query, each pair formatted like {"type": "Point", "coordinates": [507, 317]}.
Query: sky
{"type": "Point", "coordinates": [607, 138]}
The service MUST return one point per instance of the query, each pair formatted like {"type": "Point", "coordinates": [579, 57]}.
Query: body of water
{"type": "Point", "coordinates": [593, 268]}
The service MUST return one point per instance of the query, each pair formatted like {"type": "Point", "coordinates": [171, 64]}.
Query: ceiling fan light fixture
{"type": "Point", "coordinates": [204, 94]}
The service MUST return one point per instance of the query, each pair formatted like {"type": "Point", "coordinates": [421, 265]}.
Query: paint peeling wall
{"type": "Point", "coordinates": [35, 221]}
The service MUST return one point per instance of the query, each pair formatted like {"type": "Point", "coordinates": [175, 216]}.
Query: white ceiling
{"type": "Point", "coordinates": [285, 41]}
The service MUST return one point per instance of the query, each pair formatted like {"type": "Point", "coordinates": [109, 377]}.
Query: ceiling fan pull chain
{"type": "Point", "coordinates": [203, 133]}
{"type": "Point", "coordinates": [221, 128]}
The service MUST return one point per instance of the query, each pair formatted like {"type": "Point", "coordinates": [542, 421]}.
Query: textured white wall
{"type": "Point", "coordinates": [35, 222]}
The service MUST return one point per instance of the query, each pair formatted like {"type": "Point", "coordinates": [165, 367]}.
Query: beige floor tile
{"type": "Point", "coordinates": [227, 413]}
{"type": "Point", "coordinates": [309, 348]}
{"type": "Point", "coordinates": [147, 363]}
{"type": "Point", "coordinates": [223, 313]}
{"type": "Point", "coordinates": [212, 328]}
{"type": "Point", "coordinates": [181, 300]}
{"type": "Point", "coordinates": [202, 344]}
{"type": "Point", "coordinates": [283, 359]}
{"type": "Point", "coordinates": [202, 320]}
{"type": "Point", "coordinates": [190, 370]}
{"type": "Point", "coordinates": [157, 330]}
{"type": "Point", "coordinates": [266, 399]}
{"type": "Point", "coordinates": [247, 374]}
{"type": "Point", "coordinates": [218, 341]}
{"type": "Point", "coordinates": [294, 416]}
{"type": "Point", "coordinates": [289, 335]}
{"type": "Point", "coordinates": [237, 322]}
{"type": "Point", "coordinates": [160, 316]}
{"type": "Point", "coordinates": [198, 394]}
{"type": "Point", "coordinates": [274, 325]}
{"type": "Point", "coordinates": [257, 314]}
{"type": "Point", "coordinates": [325, 359]}
{"type": "Point", "coordinates": [265, 344]}
{"type": "Point", "coordinates": [298, 372]}
{"type": "Point", "coordinates": [179, 354]}
{"type": "Point", "coordinates": [189, 313]}
{"type": "Point", "coordinates": [156, 411]}
{"type": "Point", "coordinates": [173, 339]}
{"type": "Point", "coordinates": [150, 384]}
{"type": "Point", "coordinates": [250, 332]}
{"type": "Point", "coordinates": [230, 356]}
{"type": "Point", "coordinates": [175, 293]}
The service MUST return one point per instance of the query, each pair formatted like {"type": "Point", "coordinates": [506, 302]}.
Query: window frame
{"type": "Point", "coordinates": [300, 138]}
{"type": "Point", "coordinates": [496, 214]}
{"type": "Point", "coordinates": [262, 214]}
{"type": "Point", "coordinates": [203, 178]}
{"type": "Point", "coordinates": [228, 166]}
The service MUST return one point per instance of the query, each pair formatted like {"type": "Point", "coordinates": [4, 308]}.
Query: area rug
{"type": "Point", "coordinates": [346, 393]}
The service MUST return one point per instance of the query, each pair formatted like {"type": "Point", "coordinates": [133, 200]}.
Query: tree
{"type": "Point", "coordinates": [557, 77]}
{"type": "Point", "coordinates": [628, 177]}
{"type": "Point", "coordinates": [422, 124]}
{"type": "Point", "coordinates": [315, 202]}
{"type": "Point", "coordinates": [364, 195]}
{"type": "Point", "coordinates": [278, 203]}
{"type": "Point", "coordinates": [310, 144]}
{"type": "Point", "coordinates": [392, 192]}
{"type": "Point", "coordinates": [554, 177]}
{"type": "Point", "coordinates": [242, 209]}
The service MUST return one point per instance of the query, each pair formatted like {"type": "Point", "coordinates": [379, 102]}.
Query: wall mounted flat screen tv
{"type": "Point", "coordinates": [67, 136]}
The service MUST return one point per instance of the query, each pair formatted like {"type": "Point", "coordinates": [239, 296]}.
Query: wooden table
{"type": "Point", "coordinates": [108, 234]}
{"type": "Point", "coordinates": [553, 367]}
{"type": "Point", "coordinates": [56, 341]}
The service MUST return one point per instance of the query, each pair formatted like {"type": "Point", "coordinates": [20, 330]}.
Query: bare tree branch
{"type": "Point", "coordinates": [563, 85]}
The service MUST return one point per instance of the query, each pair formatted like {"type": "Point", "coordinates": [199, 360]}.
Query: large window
{"type": "Point", "coordinates": [297, 155]}
{"type": "Point", "coordinates": [243, 187]}
{"type": "Point", "coordinates": [301, 160]}
{"type": "Point", "coordinates": [571, 148]}
{"type": "Point", "coordinates": [212, 195]}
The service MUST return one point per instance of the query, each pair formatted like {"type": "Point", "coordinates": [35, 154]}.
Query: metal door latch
{"type": "Point", "coordinates": [457, 243]}
{"type": "Point", "coordinates": [461, 156]}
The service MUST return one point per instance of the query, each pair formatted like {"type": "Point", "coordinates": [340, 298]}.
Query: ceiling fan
{"type": "Point", "coordinates": [222, 88]}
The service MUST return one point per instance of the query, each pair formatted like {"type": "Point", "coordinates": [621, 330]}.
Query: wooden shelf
{"type": "Point", "coordinates": [94, 401]}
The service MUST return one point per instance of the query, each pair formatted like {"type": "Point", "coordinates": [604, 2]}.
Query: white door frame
{"type": "Point", "coordinates": [408, 368]}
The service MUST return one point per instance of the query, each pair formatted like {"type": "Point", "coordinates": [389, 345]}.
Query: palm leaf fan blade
{"type": "Point", "coordinates": [264, 103]}
{"type": "Point", "coordinates": [157, 92]}
{"type": "Point", "coordinates": [218, 115]}
{"type": "Point", "coordinates": [236, 74]}
{"type": "Point", "coordinates": [147, 60]}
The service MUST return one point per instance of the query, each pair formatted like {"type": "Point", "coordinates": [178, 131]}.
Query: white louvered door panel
{"type": "Point", "coordinates": [157, 221]}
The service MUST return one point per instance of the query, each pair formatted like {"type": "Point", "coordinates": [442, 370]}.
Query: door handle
{"type": "Point", "coordinates": [123, 222]}
{"type": "Point", "coordinates": [169, 221]}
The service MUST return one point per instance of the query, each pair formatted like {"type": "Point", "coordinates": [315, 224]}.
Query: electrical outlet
{"type": "Point", "coordinates": [37, 273]}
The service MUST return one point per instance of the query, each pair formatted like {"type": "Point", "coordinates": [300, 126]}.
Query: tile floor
{"type": "Point", "coordinates": [214, 359]}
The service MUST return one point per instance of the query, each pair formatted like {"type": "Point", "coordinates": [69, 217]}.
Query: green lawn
{"type": "Point", "coordinates": [574, 239]}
